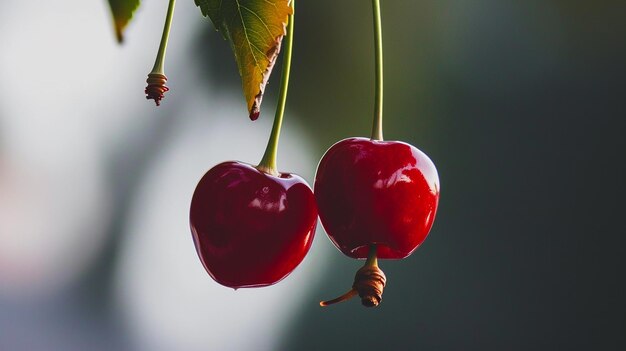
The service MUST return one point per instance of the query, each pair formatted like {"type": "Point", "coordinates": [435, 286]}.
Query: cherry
{"type": "Point", "coordinates": [376, 192]}
{"type": "Point", "coordinates": [376, 199]}
{"type": "Point", "coordinates": [251, 228]}
{"type": "Point", "coordinates": [253, 225]}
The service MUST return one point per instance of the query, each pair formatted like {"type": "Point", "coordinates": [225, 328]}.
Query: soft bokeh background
{"type": "Point", "coordinates": [520, 104]}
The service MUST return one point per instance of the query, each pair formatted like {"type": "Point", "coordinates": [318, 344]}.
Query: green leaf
{"type": "Point", "coordinates": [122, 11]}
{"type": "Point", "coordinates": [255, 29]}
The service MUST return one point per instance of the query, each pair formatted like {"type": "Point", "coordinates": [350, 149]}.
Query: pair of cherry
{"type": "Point", "coordinates": [375, 199]}
{"type": "Point", "coordinates": [252, 226]}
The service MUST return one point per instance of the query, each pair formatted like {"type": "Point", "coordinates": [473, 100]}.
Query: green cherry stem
{"type": "Point", "coordinates": [158, 64]}
{"type": "Point", "coordinates": [372, 258]}
{"type": "Point", "coordinates": [156, 79]}
{"type": "Point", "coordinates": [268, 162]}
{"type": "Point", "coordinates": [377, 128]}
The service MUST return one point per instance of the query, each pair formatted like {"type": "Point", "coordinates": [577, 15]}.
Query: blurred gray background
{"type": "Point", "coordinates": [520, 104]}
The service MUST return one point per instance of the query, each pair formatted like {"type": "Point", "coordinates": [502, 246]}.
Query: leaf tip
{"type": "Point", "coordinates": [122, 11]}
{"type": "Point", "coordinates": [119, 36]}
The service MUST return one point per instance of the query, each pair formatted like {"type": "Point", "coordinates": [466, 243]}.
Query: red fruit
{"type": "Point", "coordinates": [376, 192]}
{"type": "Point", "coordinates": [250, 228]}
{"type": "Point", "coordinates": [376, 199]}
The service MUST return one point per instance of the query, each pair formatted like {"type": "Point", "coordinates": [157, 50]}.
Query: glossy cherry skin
{"type": "Point", "coordinates": [250, 228]}
{"type": "Point", "coordinates": [376, 192]}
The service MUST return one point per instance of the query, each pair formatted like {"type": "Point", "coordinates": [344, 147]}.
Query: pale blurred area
{"type": "Point", "coordinates": [520, 104]}
{"type": "Point", "coordinates": [95, 184]}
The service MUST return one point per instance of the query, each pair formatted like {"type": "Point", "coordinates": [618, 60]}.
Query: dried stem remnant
{"type": "Point", "coordinates": [156, 88]}
{"type": "Point", "coordinates": [369, 283]}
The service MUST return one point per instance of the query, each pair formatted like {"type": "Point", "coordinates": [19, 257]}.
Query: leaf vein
{"type": "Point", "coordinates": [245, 33]}
{"type": "Point", "coordinates": [260, 19]}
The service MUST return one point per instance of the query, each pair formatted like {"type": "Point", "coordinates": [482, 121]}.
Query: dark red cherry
{"type": "Point", "coordinates": [382, 193]}
{"type": "Point", "coordinates": [250, 228]}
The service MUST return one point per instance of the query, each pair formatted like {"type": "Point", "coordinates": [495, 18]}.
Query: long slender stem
{"type": "Point", "coordinates": [268, 162]}
{"type": "Point", "coordinates": [158, 64]}
{"type": "Point", "coordinates": [377, 128]}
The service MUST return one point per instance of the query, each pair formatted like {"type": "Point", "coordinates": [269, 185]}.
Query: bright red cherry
{"type": "Point", "coordinates": [376, 192]}
{"type": "Point", "coordinates": [376, 199]}
{"type": "Point", "coordinates": [251, 228]}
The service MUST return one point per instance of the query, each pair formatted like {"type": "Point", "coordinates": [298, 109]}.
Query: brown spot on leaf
{"type": "Point", "coordinates": [272, 55]}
